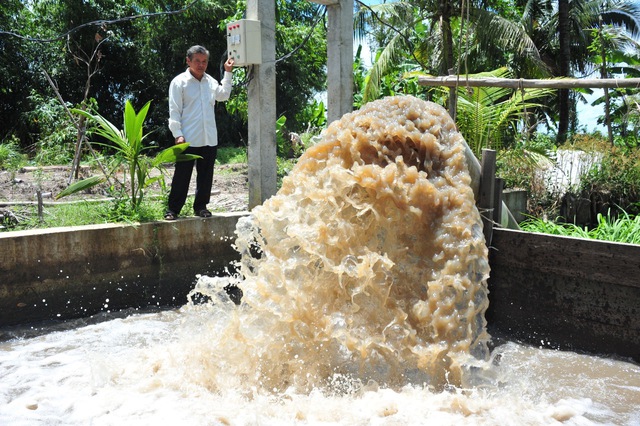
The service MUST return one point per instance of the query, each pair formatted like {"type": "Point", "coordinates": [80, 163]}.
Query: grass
{"type": "Point", "coordinates": [84, 213]}
{"type": "Point", "coordinates": [99, 212]}
{"type": "Point", "coordinates": [231, 155]}
{"type": "Point", "coordinates": [621, 229]}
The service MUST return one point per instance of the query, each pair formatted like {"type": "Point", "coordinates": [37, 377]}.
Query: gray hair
{"type": "Point", "coordinates": [197, 49]}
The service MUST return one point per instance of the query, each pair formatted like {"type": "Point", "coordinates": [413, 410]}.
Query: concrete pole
{"type": "Point", "coordinates": [261, 96]}
{"type": "Point", "coordinates": [339, 57]}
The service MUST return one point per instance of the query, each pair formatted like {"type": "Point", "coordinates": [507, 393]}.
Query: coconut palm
{"type": "Point", "coordinates": [488, 117]}
{"type": "Point", "coordinates": [128, 143]}
{"type": "Point", "coordinates": [562, 32]}
{"type": "Point", "coordinates": [424, 32]}
{"type": "Point", "coordinates": [536, 38]}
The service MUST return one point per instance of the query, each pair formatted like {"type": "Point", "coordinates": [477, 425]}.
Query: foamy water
{"type": "Point", "coordinates": [365, 290]}
{"type": "Point", "coordinates": [140, 370]}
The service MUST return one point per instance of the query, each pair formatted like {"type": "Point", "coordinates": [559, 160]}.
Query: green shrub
{"type": "Point", "coordinates": [231, 155]}
{"type": "Point", "coordinates": [56, 132]}
{"type": "Point", "coordinates": [617, 176]}
{"type": "Point", "coordinates": [10, 156]}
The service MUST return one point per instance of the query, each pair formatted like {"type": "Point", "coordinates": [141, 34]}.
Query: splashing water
{"type": "Point", "coordinates": [372, 262]}
{"type": "Point", "coordinates": [364, 285]}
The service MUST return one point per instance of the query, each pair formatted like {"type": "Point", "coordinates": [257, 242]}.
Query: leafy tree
{"type": "Point", "coordinates": [18, 71]}
{"type": "Point", "coordinates": [612, 52]}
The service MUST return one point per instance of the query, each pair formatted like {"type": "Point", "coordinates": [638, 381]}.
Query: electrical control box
{"type": "Point", "coordinates": [244, 43]}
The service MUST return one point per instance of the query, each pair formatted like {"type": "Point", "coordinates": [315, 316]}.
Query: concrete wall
{"type": "Point", "coordinates": [560, 292]}
{"type": "Point", "coordinates": [79, 271]}
{"type": "Point", "coordinates": [565, 293]}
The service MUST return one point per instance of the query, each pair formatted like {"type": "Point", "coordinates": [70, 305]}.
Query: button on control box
{"type": "Point", "coordinates": [244, 43]}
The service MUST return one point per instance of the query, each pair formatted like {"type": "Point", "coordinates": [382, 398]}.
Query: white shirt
{"type": "Point", "coordinates": [191, 107]}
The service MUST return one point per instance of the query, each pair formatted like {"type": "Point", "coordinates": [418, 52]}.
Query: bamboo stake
{"type": "Point", "coordinates": [519, 83]}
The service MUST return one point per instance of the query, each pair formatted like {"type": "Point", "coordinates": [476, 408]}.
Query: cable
{"type": "Point", "coordinates": [308, 36]}
{"type": "Point", "coordinates": [100, 22]}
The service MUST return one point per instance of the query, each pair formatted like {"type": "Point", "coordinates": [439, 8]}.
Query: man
{"type": "Point", "coordinates": [192, 98]}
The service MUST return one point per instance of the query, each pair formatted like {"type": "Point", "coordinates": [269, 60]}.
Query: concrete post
{"type": "Point", "coordinates": [261, 96]}
{"type": "Point", "coordinates": [339, 58]}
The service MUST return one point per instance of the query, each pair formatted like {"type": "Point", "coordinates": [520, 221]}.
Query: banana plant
{"type": "Point", "coordinates": [130, 149]}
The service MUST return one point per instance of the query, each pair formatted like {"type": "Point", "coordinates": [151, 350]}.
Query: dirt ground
{"type": "Point", "coordinates": [20, 188]}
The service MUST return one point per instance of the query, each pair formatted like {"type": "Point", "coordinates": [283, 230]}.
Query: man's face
{"type": "Point", "coordinates": [198, 64]}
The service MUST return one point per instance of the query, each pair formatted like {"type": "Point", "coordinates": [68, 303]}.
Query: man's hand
{"type": "Point", "coordinates": [228, 66]}
{"type": "Point", "coordinates": [180, 139]}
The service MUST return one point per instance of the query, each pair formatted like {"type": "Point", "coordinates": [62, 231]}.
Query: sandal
{"type": "Point", "coordinates": [204, 213]}
{"type": "Point", "coordinates": [170, 216]}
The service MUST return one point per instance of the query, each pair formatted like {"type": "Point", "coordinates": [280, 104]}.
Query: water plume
{"type": "Point", "coordinates": [369, 266]}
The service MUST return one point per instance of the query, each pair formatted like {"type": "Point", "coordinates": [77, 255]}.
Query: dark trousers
{"type": "Point", "coordinates": [182, 178]}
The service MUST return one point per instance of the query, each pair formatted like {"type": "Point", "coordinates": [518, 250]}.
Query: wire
{"type": "Point", "coordinates": [400, 33]}
{"type": "Point", "coordinates": [99, 22]}
{"type": "Point", "coordinates": [308, 36]}
{"type": "Point", "coordinates": [248, 70]}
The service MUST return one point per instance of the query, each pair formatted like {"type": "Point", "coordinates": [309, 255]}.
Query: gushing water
{"type": "Point", "coordinates": [372, 258]}
{"type": "Point", "coordinates": [364, 285]}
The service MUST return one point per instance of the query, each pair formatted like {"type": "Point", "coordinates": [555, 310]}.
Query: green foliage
{"type": "Point", "coordinates": [77, 214]}
{"type": "Point", "coordinates": [282, 141]}
{"type": "Point", "coordinates": [283, 167]}
{"type": "Point", "coordinates": [545, 226]}
{"type": "Point", "coordinates": [128, 144]}
{"type": "Point", "coordinates": [314, 116]}
{"type": "Point", "coordinates": [621, 229]}
{"type": "Point", "coordinates": [56, 132]}
{"type": "Point", "coordinates": [10, 156]}
{"type": "Point", "coordinates": [301, 56]}
{"type": "Point", "coordinates": [120, 210]}
{"type": "Point", "coordinates": [617, 175]}
{"type": "Point", "coordinates": [488, 117]}
{"type": "Point", "coordinates": [520, 165]}
{"type": "Point", "coordinates": [231, 155]}
{"type": "Point", "coordinates": [588, 142]}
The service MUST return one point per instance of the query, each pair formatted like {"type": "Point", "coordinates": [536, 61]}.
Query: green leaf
{"type": "Point", "coordinates": [81, 185]}
{"type": "Point", "coordinates": [174, 153]}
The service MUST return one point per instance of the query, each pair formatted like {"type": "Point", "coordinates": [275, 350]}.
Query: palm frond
{"type": "Point", "coordinates": [496, 31]}
{"type": "Point", "coordinates": [80, 185]}
{"type": "Point", "coordinates": [385, 60]}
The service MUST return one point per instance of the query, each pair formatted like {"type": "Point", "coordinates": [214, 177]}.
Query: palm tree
{"type": "Point", "coordinates": [537, 38]}
{"type": "Point", "coordinates": [424, 31]}
{"type": "Point", "coordinates": [562, 32]}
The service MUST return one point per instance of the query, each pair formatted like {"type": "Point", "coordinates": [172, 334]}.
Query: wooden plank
{"type": "Point", "coordinates": [520, 83]}
{"type": "Point", "coordinates": [486, 201]}
{"type": "Point", "coordinates": [497, 201]}
{"type": "Point", "coordinates": [326, 2]}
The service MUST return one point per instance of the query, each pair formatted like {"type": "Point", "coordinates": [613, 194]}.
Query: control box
{"type": "Point", "coordinates": [244, 42]}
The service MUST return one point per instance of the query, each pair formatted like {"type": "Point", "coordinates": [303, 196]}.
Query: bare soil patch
{"type": "Point", "coordinates": [19, 188]}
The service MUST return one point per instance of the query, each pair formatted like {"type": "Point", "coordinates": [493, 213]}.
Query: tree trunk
{"type": "Point", "coordinates": [604, 74]}
{"type": "Point", "coordinates": [564, 65]}
{"type": "Point", "coordinates": [447, 52]}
